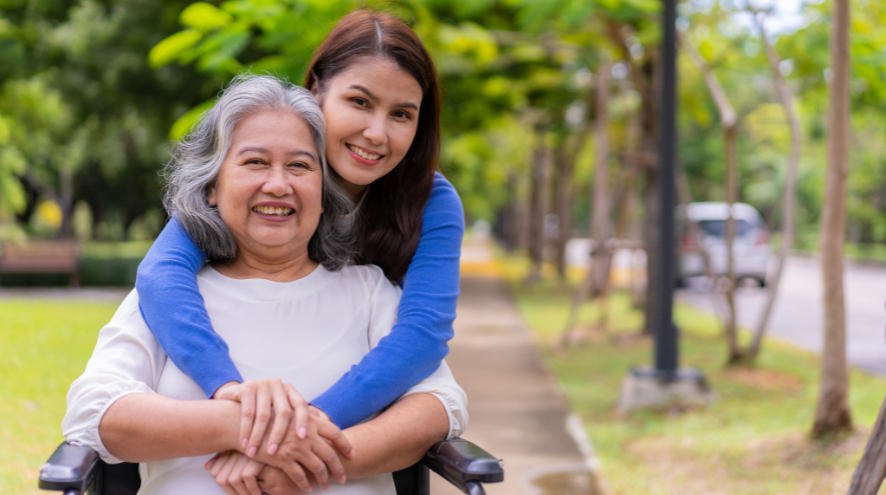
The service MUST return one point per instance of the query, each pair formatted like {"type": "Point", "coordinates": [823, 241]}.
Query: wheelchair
{"type": "Point", "coordinates": [78, 470]}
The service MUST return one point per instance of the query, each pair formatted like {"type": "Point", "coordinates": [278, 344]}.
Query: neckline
{"type": "Point", "coordinates": [262, 290]}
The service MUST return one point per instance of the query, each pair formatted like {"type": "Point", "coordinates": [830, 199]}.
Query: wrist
{"type": "Point", "coordinates": [222, 387]}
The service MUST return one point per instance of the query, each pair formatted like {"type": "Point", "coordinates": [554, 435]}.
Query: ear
{"type": "Point", "coordinates": [212, 197]}
{"type": "Point", "coordinates": [315, 90]}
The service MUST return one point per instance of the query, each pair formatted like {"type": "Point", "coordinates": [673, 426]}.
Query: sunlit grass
{"type": "Point", "coordinates": [753, 440]}
{"type": "Point", "coordinates": [44, 346]}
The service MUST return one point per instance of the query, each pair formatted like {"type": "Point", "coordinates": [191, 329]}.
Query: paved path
{"type": "Point", "coordinates": [516, 410]}
{"type": "Point", "coordinates": [797, 316]}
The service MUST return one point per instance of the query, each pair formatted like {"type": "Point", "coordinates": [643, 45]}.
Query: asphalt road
{"type": "Point", "coordinates": [798, 314]}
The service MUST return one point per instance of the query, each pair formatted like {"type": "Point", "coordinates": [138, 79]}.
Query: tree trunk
{"type": "Point", "coordinates": [537, 210]}
{"type": "Point", "coordinates": [832, 413]}
{"type": "Point", "coordinates": [729, 125]}
{"type": "Point", "coordinates": [731, 326]}
{"type": "Point", "coordinates": [785, 97]}
{"type": "Point", "coordinates": [562, 203]}
{"type": "Point", "coordinates": [871, 468]}
{"type": "Point", "coordinates": [601, 228]}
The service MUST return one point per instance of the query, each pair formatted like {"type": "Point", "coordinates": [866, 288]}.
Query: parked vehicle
{"type": "Point", "coordinates": [751, 249]}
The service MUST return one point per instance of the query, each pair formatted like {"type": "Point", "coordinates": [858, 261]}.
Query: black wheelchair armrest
{"type": "Point", "coordinates": [70, 469]}
{"type": "Point", "coordinates": [464, 465]}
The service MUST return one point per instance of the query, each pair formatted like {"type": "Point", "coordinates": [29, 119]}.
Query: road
{"type": "Point", "coordinates": [797, 316]}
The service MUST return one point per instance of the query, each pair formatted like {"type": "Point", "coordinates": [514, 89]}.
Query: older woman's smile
{"type": "Point", "coordinates": [275, 211]}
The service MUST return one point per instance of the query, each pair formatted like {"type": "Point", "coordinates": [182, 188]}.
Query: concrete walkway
{"type": "Point", "coordinates": [516, 410]}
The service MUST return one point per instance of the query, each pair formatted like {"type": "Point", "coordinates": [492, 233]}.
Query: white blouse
{"type": "Point", "coordinates": [308, 332]}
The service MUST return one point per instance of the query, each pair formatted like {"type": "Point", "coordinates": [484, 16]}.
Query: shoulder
{"type": "Point", "coordinates": [443, 193]}
{"type": "Point", "coordinates": [371, 278]}
{"type": "Point", "coordinates": [371, 275]}
{"type": "Point", "coordinates": [444, 205]}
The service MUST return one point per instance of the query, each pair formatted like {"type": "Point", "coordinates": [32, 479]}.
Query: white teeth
{"type": "Point", "coordinates": [368, 156]}
{"type": "Point", "coordinates": [282, 211]}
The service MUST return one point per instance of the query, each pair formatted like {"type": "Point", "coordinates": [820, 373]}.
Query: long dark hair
{"type": "Point", "coordinates": [389, 225]}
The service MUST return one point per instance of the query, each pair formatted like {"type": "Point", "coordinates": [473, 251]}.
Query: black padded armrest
{"type": "Point", "coordinates": [69, 468]}
{"type": "Point", "coordinates": [463, 464]}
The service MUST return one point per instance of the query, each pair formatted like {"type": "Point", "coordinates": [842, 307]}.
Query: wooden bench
{"type": "Point", "coordinates": [55, 256]}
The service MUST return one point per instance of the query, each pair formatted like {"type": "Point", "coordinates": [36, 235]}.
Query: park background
{"type": "Point", "coordinates": [93, 93]}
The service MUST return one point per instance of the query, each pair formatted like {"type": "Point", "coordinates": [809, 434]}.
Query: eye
{"type": "Point", "coordinates": [360, 101]}
{"type": "Point", "coordinates": [400, 114]}
{"type": "Point", "coordinates": [301, 165]}
{"type": "Point", "coordinates": [254, 161]}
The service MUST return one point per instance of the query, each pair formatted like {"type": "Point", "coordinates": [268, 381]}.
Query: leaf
{"type": "Point", "coordinates": [172, 47]}
{"type": "Point", "coordinates": [186, 122]}
{"type": "Point", "coordinates": [204, 17]}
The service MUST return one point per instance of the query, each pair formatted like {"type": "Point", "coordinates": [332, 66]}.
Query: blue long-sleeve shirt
{"type": "Point", "coordinates": [171, 305]}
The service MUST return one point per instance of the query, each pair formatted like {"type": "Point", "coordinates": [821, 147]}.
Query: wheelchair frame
{"type": "Point", "coordinates": [78, 470]}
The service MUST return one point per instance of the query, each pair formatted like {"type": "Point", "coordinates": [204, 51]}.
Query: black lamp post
{"type": "Point", "coordinates": [666, 338]}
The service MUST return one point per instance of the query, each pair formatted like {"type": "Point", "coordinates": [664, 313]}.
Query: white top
{"type": "Point", "coordinates": [308, 332]}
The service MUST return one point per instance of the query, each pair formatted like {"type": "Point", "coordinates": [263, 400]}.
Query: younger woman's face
{"type": "Point", "coordinates": [371, 111]}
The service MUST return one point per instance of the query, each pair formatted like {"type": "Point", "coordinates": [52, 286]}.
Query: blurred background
{"type": "Point", "coordinates": [551, 130]}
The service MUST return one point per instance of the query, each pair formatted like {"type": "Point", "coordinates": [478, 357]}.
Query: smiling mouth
{"type": "Point", "coordinates": [281, 211]}
{"type": "Point", "coordinates": [362, 154]}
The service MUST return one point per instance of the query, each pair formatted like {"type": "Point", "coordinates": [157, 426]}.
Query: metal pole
{"type": "Point", "coordinates": [666, 338]}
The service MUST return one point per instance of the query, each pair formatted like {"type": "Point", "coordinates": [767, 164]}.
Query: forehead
{"type": "Point", "coordinates": [271, 127]}
{"type": "Point", "coordinates": [381, 76]}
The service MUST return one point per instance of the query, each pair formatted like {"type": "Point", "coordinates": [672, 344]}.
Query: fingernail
{"type": "Point", "coordinates": [351, 454]}
{"type": "Point", "coordinates": [252, 451]}
{"type": "Point", "coordinates": [302, 432]}
{"type": "Point", "coordinates": [272, 450]}
{"type": "Point", "coordinates": [243, 443]}
{"type": "Point", "coordinates": [343, 479]}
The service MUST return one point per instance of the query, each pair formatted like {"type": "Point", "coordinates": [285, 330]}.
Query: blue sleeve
{"type": "Point", "coordinates": [418, 342]}
{"type": "Point", "coordinates": [171, 305]}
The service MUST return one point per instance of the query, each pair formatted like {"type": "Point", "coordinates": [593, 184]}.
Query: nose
{"type": "Point", "coordinates": [376, 131]}
{"type": "Point", "coordinates": [277, 183]}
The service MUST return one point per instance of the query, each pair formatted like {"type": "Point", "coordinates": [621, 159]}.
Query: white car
{"type": "Point", "coordinates": [751, 249]}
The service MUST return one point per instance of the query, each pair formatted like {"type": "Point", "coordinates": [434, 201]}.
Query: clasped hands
{"type": "Point", "coordinates": [298, 451]}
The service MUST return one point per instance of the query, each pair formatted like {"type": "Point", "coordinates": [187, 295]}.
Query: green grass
{"type": "Point", "coordinates": [44, 346]}
{"type": "Point", "coordinates": [753, 440]}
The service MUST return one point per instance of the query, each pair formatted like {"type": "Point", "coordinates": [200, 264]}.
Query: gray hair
{"type": "Point", "coordinates": [197, 158]}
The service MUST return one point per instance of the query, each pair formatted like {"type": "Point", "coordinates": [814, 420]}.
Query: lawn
{"type": "Point", "coordinates": [44, 346]}
{"type": "Point", "coordinates": [753, 440]}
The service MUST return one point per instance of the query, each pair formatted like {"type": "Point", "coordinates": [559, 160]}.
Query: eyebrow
{"type": "Point", "coordinates": [406, 104]}
{"type": "Point", "coordinates": [259, 149]}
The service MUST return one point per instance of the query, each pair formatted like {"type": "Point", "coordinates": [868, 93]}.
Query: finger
{"type": "Point", "coordinates": [300, 405]}
{"type": "Point", "coordinates": [247, 401]}
{"type": "Point", "coordinates": [331, 432]}
{"type": "Point", "coordinates": [218, 463]}
{"type": "Point", "coordinates": [282, 415]}
{"type": "Point", "coordinates": [298, 476]}
{"type": "Point", "coordinates": [330, 461]}
{"type": "Point", "coordinates": [235, 479]}
{"type": "Point", "coordinates": [250, 476]}
{"type": "Point", "coordinates": [222, 477]}
{"type": "Point", "coordinates": [211, 462]}
{"type": "Point", "coordinates": [262, 418]}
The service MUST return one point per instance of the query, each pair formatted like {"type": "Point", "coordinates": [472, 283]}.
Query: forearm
{"type": "Point", "coordinates": [398, 438]}
{"type": "Point", "coordinates": [150, 427]}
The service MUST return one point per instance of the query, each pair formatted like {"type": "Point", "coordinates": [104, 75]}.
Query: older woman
{"type": "Point", "coordinates": [250, 185]}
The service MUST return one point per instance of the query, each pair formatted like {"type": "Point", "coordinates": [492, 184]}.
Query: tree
{"type": "Point", "coordinates": [729, 125]}
{"type": "Point", "coordinates": [832, 411]}
{"type": "Point", "coordinates": [786, 99]}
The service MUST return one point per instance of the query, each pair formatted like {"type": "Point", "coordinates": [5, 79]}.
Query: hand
{"type": "Point", "coordinates": [260, 400]}
{"type": "Point", "coordinates": [315, 453]}
{"type": "Point", "coordinates": [274, 481]}
{"type": "Point", "coordinates": [235, 473]}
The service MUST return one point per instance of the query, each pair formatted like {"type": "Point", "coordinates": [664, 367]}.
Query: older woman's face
{"type": "Point", "coordinates": [269, 187]}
